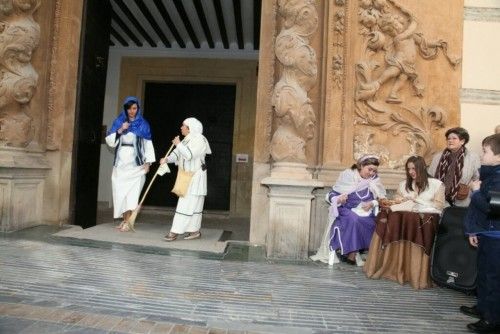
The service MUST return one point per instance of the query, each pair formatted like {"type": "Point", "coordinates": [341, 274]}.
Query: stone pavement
{"type": "Point", "coordinates": [47, 286]}
{"type": "Point", "coordinates": [146, 234]}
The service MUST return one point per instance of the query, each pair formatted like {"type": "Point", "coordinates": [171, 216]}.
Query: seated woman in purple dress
{"type": "Point", "coordinates": [353, 207]}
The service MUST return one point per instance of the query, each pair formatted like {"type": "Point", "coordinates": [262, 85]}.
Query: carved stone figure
{"type": "Point", "coordinates": [296, 123]}
{"type": "Point", "coordinates": [397, 36]}
{"type": "Point", "coordinates": [393, 44]}
{"type": "Point", "coordinates": [294, 116]}
{"type": "Point", "coordinates": [19, 36]}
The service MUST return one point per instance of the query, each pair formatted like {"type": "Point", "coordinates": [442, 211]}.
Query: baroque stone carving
{"type": "Point", "coordinates": [19, 36]}
{"type": "Point", "coordinates": [294, 116]}
{"type": "Point", "coordinates": [391, 34]}
{"type": "Point", "coordinates": [396, 35]}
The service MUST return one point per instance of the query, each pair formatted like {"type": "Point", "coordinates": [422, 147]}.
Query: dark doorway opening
{"type": "Point", "coordinates": [166, 105]}
{"type": "Point", "coordinates": [96, 23]}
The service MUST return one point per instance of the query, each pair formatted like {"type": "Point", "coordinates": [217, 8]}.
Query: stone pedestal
{"type": "Point", "coordinates": [289, 217]}
{"type": "Point", "coordinates": [22, 178]}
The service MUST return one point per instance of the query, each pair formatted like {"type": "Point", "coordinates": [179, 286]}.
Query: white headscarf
{"type": "Point", "coordinates": [194, 125]}
{"type": "Point", "coordinates": [350, 181]}
{"type": "Point", "coordinates": [195, 130]}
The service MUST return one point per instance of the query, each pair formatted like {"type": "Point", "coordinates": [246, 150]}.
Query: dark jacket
{"type": "Point", "coordinates": [479, 218]}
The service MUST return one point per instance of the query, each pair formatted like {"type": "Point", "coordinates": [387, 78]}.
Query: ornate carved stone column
{"type": "Point", "coordinates": [22, 168]}
{"type": "Point", "coordinates": [37, 106]}
{"type": "Point", "coordinates": [294, 124]}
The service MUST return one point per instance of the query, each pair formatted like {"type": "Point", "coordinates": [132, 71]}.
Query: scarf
{"type": "Point", "coordinates": [195, 131]}
{"type": "Point", "coordinates": [449, 171]}
{"type": "Point", "coordinates": [350, 181]}
{"type": "Point", "coordinates": [139, 126]}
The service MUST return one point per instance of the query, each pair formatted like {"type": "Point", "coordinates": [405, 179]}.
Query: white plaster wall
{"type": "Point", "coordinates": [110, 111]}
{"type": "Point", "coordinates": [482, 3]}
{"type": "Point", "coordinates": [480, 102]}
{"type": "Point", "coordinates": [480, 120]}
{"type": "Point", "coordinates": [481, 55]}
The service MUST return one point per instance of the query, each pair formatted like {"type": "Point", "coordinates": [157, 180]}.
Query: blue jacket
{"type": "Point", "coordinates": [479, 218]}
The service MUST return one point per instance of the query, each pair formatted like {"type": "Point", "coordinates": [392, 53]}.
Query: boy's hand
{"type": "Point", "coordinates": [473, 240]}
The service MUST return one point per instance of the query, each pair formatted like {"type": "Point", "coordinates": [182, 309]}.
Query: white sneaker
{"type": "Point", "coordinates": [359, 260]}
{"type": "Point", "coordinates": [332, 258]}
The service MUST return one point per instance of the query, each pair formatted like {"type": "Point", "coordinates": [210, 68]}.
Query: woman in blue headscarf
{"type": "Point", "coordinates": [130, 136]}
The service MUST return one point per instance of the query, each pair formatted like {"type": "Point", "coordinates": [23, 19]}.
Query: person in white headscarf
{"type": "Point", "coordinates": [189, 155]}
{"type": "Point", "coordinates": [353, 206]}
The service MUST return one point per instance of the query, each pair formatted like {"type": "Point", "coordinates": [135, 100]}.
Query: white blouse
{"type": "Point", "coordinates": [430, 200]}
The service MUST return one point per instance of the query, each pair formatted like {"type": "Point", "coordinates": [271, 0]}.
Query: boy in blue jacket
{"type": "Point", "coordinates": [483, 227]}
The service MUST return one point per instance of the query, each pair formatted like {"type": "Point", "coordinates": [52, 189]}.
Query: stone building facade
{"type": "Point", "coordinates": [336, 79]}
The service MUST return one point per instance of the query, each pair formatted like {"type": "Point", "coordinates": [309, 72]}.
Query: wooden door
{"type": "Point", "coordinates": [166, 105]}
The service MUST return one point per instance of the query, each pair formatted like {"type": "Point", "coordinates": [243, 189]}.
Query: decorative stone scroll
{"type": "Point", "coordinates": [19, 36]}
{"type": "Point", "coordinates": [294, 116]}
{"type": "Point", "coordinates": [388, 81]}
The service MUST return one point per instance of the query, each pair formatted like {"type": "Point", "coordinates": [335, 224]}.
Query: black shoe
{"type": "Point", "coordinates": [342, 258]}
{"type": "Point", "coordinates": [349, 261]}
{"type": "Point", "coordinates": [470, 311]}
{"type": "Point", "coordinates": [483, 326]}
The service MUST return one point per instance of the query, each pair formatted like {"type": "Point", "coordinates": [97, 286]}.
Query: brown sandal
{"type": "Point", "coordinates": [170, 236]}
{"type": "Point", "coordinates": [125, 227]}
{"type": "Point", "coordinates": [119, 227]}
{"type": "Point", "coordinates": [193, 235]}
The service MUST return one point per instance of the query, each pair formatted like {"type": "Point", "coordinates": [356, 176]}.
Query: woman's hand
{"type": "Point", "coordinates": [124, 127]}
{"type": "Point", "coordinates": [475, 185]}
{"type": "Point", "coordinates": [146, 166]}
{"type": "Point", "coordinates": [176, 141]}
{"type": "Point", "coordinates": [473, 240]}
{"type": "Point", "coordinates": [367, 206]}
{"type": "Point", "coordinates": [342, 199]}
{"type": "Point", "coordinates": [163, 160]}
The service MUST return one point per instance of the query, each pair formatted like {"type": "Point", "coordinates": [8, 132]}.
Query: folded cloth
{"type": "Point", "coordinates": [360, 211]}
{"type": "Point", "coordinates": [163, 169]}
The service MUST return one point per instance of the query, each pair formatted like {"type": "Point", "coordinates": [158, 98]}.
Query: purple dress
{"type": "Point", "coordinates": [351, 232]}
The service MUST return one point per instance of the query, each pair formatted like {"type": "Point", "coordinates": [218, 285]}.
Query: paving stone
{"type": "Point", "coordinates": [114, 289]}
{"type": "Point", "coordinates": [42, 327]}
{"type": "Point", "coordinates": [198, 330]}
{"type": "Point", "coordinates": [90, 320]}
{"type": "Point", "coordinates": [41, 313]}
{"type": "Point", "coordinates": [180, 329]}
{"type": "Point", "coordinates": [125, 326]}
{"type": "Point", "coordinates": [161, 328]}
{"type": "Point", "coordinates": [13, 325]}
{"type": "Point", "coordinates": [144, 326]}
{"type": "Point", "coordinates": [67, 316]}
{"type": "Point", "coordinates": [108, 322]}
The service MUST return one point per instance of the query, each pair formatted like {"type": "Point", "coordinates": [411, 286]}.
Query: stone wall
{"type": "Point", "coordinates": [37, 110]}
{"type": "Point", "coordinates": [379, 76]}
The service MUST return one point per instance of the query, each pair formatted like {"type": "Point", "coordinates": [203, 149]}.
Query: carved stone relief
{"type": "Point", "coordinates": [388, 82]}
{"type": "Point", "coordinates": [19, 36]}
{"type": "Point", "coordinates": [294, 116]}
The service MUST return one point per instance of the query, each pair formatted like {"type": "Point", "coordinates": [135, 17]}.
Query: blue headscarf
{"type": "Point", "coordinates": [139, 126]}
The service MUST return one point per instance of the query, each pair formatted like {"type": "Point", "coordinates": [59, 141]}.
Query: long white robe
{"type": "Point", "coordinates": [190, 155]}
{"type": "Point", "coordinates": [127, 179]}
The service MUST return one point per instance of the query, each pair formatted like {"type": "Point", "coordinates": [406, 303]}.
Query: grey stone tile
{"type": "Point", "coordinates": [41, 327]}
{"type": "Point", "coordinates": [14, 325]}
{"type": "Point", "coordinates": [83, 330]}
